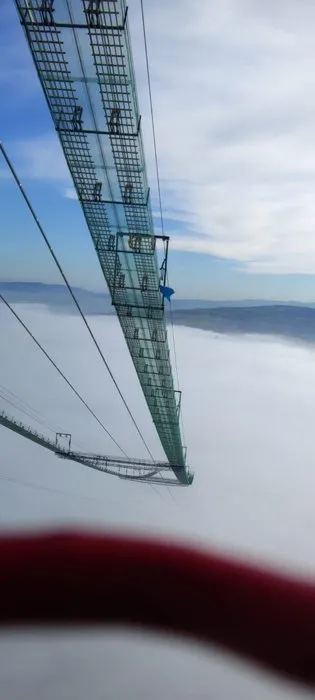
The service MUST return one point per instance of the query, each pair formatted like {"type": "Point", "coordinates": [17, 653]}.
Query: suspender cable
{"type": "Point", "coordinates": [39, 226]}
{"type": "Point", "coordinates": [42, 349]}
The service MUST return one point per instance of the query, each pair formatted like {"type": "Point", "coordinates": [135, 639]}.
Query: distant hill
{"type": "Point", "coordinates": [296, 322]}
{"type": "Point", "coordinates": [291, 320]}
{"type": "Point", "coordinates": [56, 296]}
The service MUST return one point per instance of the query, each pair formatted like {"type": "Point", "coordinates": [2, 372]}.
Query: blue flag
{"type": "Point", "coordinates": [166, 291]}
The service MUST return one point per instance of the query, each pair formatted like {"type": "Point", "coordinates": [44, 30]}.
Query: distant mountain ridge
{"type": "Point", "coordinates": [293, 320]}
{"type": "Point", "coordinates": [57, 295]}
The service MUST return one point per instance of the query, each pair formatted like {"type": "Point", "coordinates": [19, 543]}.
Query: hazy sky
{"type": "Point", "coordinates": [233, 89]}
{"type": "Point", "coordinates": [248, 406]}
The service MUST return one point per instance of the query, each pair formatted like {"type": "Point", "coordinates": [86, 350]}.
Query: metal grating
{"type": "Point", "coordinates": [83, 57]}
{"type": "Point", "coordinates": [134, 469]}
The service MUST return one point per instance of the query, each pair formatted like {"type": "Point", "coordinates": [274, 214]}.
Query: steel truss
{"type": "Point", "coordinates": [126, 468]}
{"type": "Point", "coordinates": [83, 57]}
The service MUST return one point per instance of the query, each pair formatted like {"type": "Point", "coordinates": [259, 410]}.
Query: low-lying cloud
{"type": "Point", "coordinates": [248, 406]}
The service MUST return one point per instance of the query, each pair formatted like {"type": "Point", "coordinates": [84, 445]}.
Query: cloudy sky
{"type": "Point", "coordinates": [233, 90]}
{"type": "Point", "coordinates": [248, 407]}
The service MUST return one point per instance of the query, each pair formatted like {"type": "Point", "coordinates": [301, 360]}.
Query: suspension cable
{"type": "Point", "coordinates": [11, 398]}
{"type": "Point", "coordinates": [21, 405]}
{"type": "Point", "coordinates": [176, 365]}
{"type": "Point", "coordinates": [158, 180]}
{"type": "Point", "coordinates": [152, 117]}
{"type": "Point", "coordinates": [60, 371]}
{"type": "Point", "coordinates": [39, 226]}
{"type": "Point", "coordinates": [24, 407]}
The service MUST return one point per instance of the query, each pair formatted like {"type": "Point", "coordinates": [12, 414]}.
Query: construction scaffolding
{"type": "Point", "coordinates": [82, 53]}
{"type": "Point", "coordinates": [124, 467]}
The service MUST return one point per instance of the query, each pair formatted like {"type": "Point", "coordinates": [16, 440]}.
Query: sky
{"type": "Point", "coordinates": [234, 105]}
{"type": "Point", "coordinates": [248, 406]}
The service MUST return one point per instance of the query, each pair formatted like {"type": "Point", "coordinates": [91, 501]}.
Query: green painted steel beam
{"type": "Point", "coordinates": [84, 61]}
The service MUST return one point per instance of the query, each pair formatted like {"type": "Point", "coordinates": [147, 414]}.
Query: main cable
{"type": "Point", "coordinates": [25, 407]}
{"type": "Point", "coordinates": [30, 413]}
{"type": "Point", "coordinates": [28, 203]}
{"type": "Point", "coordinates": [158, 179]}
{"type": "Point", "coordinates": [29, 484]}
{"type": "Point", "coordinates": [152, 116]}
{"type": "Point", "coordinates": [18, 318]}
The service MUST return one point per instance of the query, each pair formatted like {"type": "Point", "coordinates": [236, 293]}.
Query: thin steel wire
{"type": "Point", "coordinates": [32, 336]}
{"type": "Point", "coordinates": [29, 205]}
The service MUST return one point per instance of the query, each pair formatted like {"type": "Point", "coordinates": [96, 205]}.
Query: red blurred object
{"type": "Point", "coordinates": [67, 579]}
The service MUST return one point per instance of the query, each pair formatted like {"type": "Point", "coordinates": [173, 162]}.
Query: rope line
{"type": "Point", "coordinates": [18, 318]}
{"type": "Point", "coordinates": [42, 422]}
{"type": "Point", "coordinates": [158, 182]}
{"type": "Point", "coordinates": [29, 205]}
{"type": "Point", "coordinates": [26, 408]}
{"type": "Point", "coordinates": [152, 117]}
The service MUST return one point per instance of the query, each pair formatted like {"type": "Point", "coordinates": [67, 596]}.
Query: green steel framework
{"type": "Point", "coordinates": [125, 468]}
{"type": "Point", "coordinates": [82, 54]}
